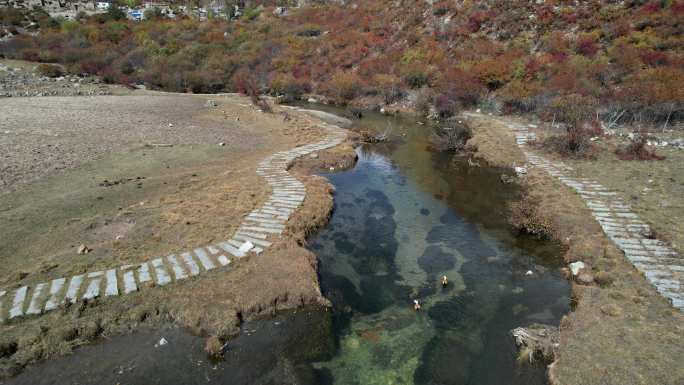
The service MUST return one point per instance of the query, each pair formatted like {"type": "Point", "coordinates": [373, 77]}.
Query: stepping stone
{"type": "Point", "coordinates": [163, 277]}
{"type": "Point", "coordinates": [176, 268]}
{"type": "Point", "coordinates": [18, 302]}
{"type": "Point", "coordinates": [266, 224]}
{"type": "Point", "coordinates": [35, 306]}
{"type": "Point", "coordinates": [111, 287]}
{"type": "Point", "coordinates": [74, 286]}
{"type": "Point", "coordinates": [256, 241]}
{"type": "Point", "coordinates": [53, 301]}
{"type": "Point", "coordinates": [223, 260]}
{"type": "Point", "coordinates": [251, 234]}
{"type": "Point", "coordinates": [144, 273]}
{"type": "Point", "coordinates": [204, 258]}
{"type": "Point", "coordinates": [129, 282]}
{"type": "Point", "coordinates": [231, 249]}
{"type": "Point", "coordinates": [262, 229]}
{"type": "Point", "coordinates": [93, 289]}
{"type": "Point", "coordinates": [190, 264]}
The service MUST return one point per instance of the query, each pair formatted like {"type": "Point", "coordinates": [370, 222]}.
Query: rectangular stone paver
{"type": "Point", "coordinates": [204, 259]}
{"type": "Point", "coordinates": [35, 304]}
{"type": "Point", "coordinates": [74, 286]}
{"type": "Point", "coordinates": [55, 288]}
{"type": "Point", "coordinates": [129, 282]}
{"type": "Point", "coordinates": [163, 277]}
{"type": "Point", "coordinates": [144, 273]}
{"type": "Point", "coordinates": [18, 302]}
{"type": "Point", "coordinates": [190, 264]}
{"type": "Point", "coordinates": [176, 268]}
{"type": "Point", "coordinates": [245, 238]}
{"type": "Point", "coordinates": [112, 284]}
{"type": "Point", "coordinates": [230, 249]}
{"type": "Point", "coordinates": [93, 289]}
{"type": "Point", "coordinates": [223, 260]}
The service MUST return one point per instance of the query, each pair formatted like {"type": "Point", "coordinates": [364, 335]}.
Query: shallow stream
{"type": "Point", "coordinates": [404, 217]}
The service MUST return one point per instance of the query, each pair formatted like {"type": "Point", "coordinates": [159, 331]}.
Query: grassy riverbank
{"type": "Point", "coordinates": [621, 330]}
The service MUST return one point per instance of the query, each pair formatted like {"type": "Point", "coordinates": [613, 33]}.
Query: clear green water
{"type": "Point", "coordinates": [404, 216]}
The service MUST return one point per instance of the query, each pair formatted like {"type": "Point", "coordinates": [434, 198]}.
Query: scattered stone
{"type": "Point", "coordinates": [161, 342]}
{"type": "Point", "coordinates": [83, 249]}
{"type": "Point", "coordinates": [585, 278]}
{"type": "Point", "coordinates": [246, 247]}
{"type": "Point", "coordinates": [314, 155]}
{"type": "Point", "coordinates": [222, 144]}
{"type": "Point", "coordinates": [575, 267]}
{"type": "Point", "coordinates": [211, 103]}
{"type": "Point", "coordinates": [529, 272]}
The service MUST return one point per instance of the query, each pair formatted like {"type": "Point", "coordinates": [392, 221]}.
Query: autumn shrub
{"type": "Point", "coordinates": [423, 101]}
{"type": "Point", "coordinates": [578, 113]}
{"type": "Point", "coordinates": [344, 86]}
{"type": "Point", "coordinates": [586, 45]}
{"type": "Point", "coordinates": [451, 138]}
{"type": "Point", "coordinates": [389, 86]}
{"type": "Point", "coordinates": [11, 16]}
{"type": "Point", "coordinates": [288, 87]}
{"type": "Point", "coordinates": [651, 95]}
{"type": "Point", "coordinates": [462, 86]}
{"type": "Point", "coordinates": [637, 148]}
{"type": "Point", "coordinates": [527, 217]}
{"type": "Point", "coordinates": [445, 106]}
{"type": "Point", "coordinates": [573, 110]}
{"type": "Point", "coordinates": [521, 96]}
{"type": "Point", "coordinates": [50, 70]}
{"type": "Point", "coordinates": [493, 72]}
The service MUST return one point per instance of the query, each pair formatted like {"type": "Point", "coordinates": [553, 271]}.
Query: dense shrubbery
{"type": "Point", "coordinates": [573, 64]}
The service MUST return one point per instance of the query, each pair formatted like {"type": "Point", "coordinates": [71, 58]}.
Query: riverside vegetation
{"type": "Point", "coordinates": [570, 63]}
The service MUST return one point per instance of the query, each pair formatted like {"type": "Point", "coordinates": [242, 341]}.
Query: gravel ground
{"type": "Point", "coordinates": [19, 78]}
{"type": "Point", "coordinates": [41, 136]}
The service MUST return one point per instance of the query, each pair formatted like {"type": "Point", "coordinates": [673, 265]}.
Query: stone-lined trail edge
{"type": "Point", "coordinates": [659, 263]}
{"type": "Point", "coordinates": [260, 228]}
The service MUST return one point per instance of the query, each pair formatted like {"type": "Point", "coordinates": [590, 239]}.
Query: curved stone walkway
{"type": "Point", "coordinates": [659, 263]}
{"type": "Point", "coordinates": [256, 233]}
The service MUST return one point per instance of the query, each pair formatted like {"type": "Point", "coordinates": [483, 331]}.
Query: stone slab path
{"type": "Point", "coordinates": [659, 263]}
{"type": "Point", "coordinates": [257, 232]}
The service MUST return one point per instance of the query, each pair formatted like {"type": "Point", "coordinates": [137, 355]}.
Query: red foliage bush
{"type": "Point", "coordinates": [637, 149]}
{"type": "Point", "coordinates": [586, 45]}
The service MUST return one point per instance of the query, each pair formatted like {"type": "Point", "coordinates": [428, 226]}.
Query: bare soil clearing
{"type": "Point", "coordinates": [621, 332]}
{"type": "Point", "coordinates": [102, 185]}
